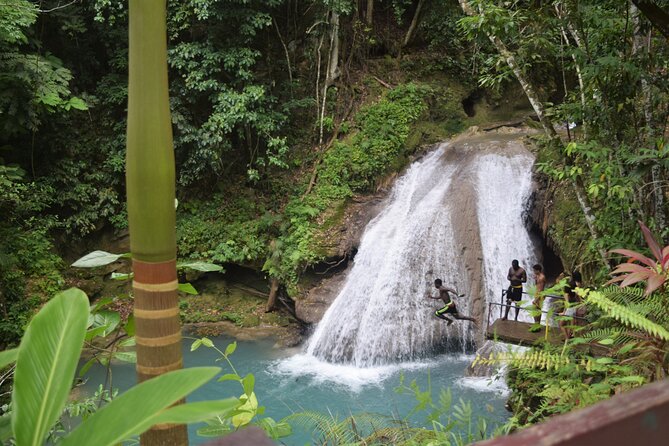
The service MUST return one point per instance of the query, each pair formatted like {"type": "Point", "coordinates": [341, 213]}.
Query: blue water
{"type": "Point", "coordinates": [288, 381]}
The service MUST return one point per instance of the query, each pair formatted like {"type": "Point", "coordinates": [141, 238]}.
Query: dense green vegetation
{"type": "Point", "coordinates": [285, 111]}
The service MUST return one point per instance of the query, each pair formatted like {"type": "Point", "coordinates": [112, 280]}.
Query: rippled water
{"type": "Point", "coordinates": [289, 382]}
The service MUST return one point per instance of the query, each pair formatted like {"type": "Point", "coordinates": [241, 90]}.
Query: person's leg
{"type": "Point", "coordinates": [537, 309]}
{"type": "Point", "coordinates": [441, 314]}
{"type": "Point", "coordinates": [517, 303]}
{"type": "Point", "coordinates": [463, 317]}
{"type": "Point", "coordinates": [506, 309]}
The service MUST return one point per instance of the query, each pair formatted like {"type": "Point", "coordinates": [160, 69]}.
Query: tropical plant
{"type": "Point", "coordinates": [247, 410]}
{"type": "Point", "coordinates": [46, 361]}
{"type": "Point", "coordinates": [654, 271]}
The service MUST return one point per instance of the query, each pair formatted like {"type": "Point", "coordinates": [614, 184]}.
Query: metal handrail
{"type": "Point", "coordinates": [502, 305]}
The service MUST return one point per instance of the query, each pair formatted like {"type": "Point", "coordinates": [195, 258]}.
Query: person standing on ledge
{"type": "Point", "coordinates": [449, 305]}
{"type": "Point", "coordinates": [538, 302]}
{"type": "Point", "coordinates": [517, 277]}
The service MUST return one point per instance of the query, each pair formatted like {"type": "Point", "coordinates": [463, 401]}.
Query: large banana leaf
{"type": "Point", "coordinates": [144, 405]}
{"type": "Point", "coordinates": [45, 366]}
{"type": "Point", "coordinates": [8, 356]}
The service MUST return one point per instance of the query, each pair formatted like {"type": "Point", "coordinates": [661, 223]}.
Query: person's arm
{"type": "Point", "coordinates": [523, 276]}
{"type": "Point", "coordinates": [508, 276]}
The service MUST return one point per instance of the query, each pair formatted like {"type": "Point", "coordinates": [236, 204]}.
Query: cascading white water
{"type": "Point", "coordinates": [381, 314]}
{"type": "Point", "coordinates": [504, 185]}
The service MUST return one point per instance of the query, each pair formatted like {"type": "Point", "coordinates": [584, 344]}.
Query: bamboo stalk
{"type": "Point", "coordinates": [150, 183]}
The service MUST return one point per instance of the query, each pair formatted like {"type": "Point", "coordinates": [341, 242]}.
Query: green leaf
{"type": "Point", "coordinates": [207, 342]}
{"type": "Point", "coordinates": [98, 258]}
{"type": "Point", "coordinates": [76, 103]}
{"type": "Point", "coordinates": [230, 349]}
{"type": "Point", "coordinates": [214, 431]}
{"type": "Point", "coordinates": [195, 345]}
{"type": "Point", "coordinates": [201, 266]}
{"type": "Point", "coordinates": [129, 342]}
{"type": "Point", "coordinates": [604, 360]}
{"type": "Point", "coordinates": [248, 382]}
{"type": "Point", "coordinates": [246, 411]}
{"type": "Point", "coordinates": [121, 276]}
{"type": "Point", "coordinates": [130, 357]}
{"type": "Point", "coordinates": [46, 364]}
{"type": "Point", "coordinates": [607, 341]}
{"type": "Point", "coordinates": [229, 377]}
{"type": "Point", "coordinates": [84, 368]}
{"type": "Point", "coordinates": [632, 379]}
{"type": "Point", "coordinates": [5, 428]}
{"type": "Point", "coordinates": [194, 412]}
{"type": "Point", "coordinates": [106, 319]}
{"type": "Point", "coordinates": [130, 325]}
{"type": "Point", "coordinates": [145, 402]}
{"type": "Point", "coordinates": [8, 356]}
{"type": "Point", "coordinates": [187, 288]}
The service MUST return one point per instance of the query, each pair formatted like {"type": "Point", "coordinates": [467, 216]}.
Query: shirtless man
{"type": "Point", "coordinates": [540, 280]}
{"type": "Point", "coordinates": [517, 277]}
{"type": "Point", "coordinates": [449, 304]}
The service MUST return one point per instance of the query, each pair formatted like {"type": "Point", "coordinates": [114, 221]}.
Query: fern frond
{"type": "Point", "coordinates": [626, 316]}
{"type": "Point", "coordinates": [531, 359]}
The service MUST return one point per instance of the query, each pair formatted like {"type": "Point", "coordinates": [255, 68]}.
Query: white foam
{"type": "Point", "coordinates": [349, 376]}
{"type": "Point", "coordinates": [494, 384]}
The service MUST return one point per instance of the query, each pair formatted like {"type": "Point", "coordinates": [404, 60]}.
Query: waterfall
{"type": "Point", "coordinates": [504, 185]}
{"type": "Point", "coordinates": [381, 314]}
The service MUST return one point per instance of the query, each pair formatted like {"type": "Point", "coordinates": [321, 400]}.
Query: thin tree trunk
{"type": "Point", "coordinates": [641, 43]}
{"type": "Point", "coordinates": [369, 16]}
{"type": "Point", "coordinates": [332, 72]}
{"type": "Point", "coordinates": [548, 127]}
{"type": "Point", "coordinates": [150, 181]}
{"type": "Point", "coordinates": [579, 76]}
{"type": "Point", "coordinates": [273, 292]}
{"type": "Point", "coordinates": [414, 23]}
{"type": "Point", "coordinates": [285, 50]}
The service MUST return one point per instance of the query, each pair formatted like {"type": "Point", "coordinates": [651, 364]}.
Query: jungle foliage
{"type": "Point", "coordinates": [284, 111]}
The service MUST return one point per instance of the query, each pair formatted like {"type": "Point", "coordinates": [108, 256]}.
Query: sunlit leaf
{"type": "Point", "coordinates": [201, 266]}
{"type": "Point", "coordinates": [187, 288]}
{"type": "Point", "coordinates": [146, 403]}
{"type": "Point", "coordinates": [98, 258]}
{"type": "Point", "coordinates": [46, 364]}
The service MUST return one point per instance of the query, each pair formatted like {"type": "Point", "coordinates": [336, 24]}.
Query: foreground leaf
{"type": "Point", "coordinates": [139, 408]}
{"type": "Point", "coordinates": [45, 366]}
{"type": "Point", "coordinates": [8, 356]}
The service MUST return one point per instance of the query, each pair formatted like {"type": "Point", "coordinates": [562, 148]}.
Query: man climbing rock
{"type": "Point", "coordinates": [449, 304]}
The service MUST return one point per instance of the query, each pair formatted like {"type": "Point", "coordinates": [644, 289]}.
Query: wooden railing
{"type": "Point", "coordinates": [639, 417]}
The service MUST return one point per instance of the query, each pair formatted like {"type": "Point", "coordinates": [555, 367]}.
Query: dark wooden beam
{"type": "Point", "coordinates": [658, 17]}
{"type": "Point", "coordinates": [638, 417]}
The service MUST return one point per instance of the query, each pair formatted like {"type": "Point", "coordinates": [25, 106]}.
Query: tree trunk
{"type": "Point", "coordinates": [150, 182]}
{"type": "Point", "coordinates": [547, 125]}
{"type": "Point", "coordinates": [273, 292]}
{"type": "Point", "coordinates": [579, 76]}
{"type": "Point", "coordinates": [332, 72]}
{"type": "Point", "coordinates": [641, 43]}
{"type": "Point", "coordinates": [369, 16]}
{"type": "Point", "coordinates": [414, 24]}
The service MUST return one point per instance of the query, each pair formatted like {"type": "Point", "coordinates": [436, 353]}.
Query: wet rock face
{"type": "Point", "coordinates": [311, 308]}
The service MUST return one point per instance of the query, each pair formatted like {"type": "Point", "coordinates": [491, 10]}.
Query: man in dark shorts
{"type": "Point", "coordinates": [517, 277]}
{"type": "Point", "coordinates": [449, 304]}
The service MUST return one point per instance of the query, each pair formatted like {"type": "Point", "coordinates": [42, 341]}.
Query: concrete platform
{"type": "Point", "coordinates": [518, 333]}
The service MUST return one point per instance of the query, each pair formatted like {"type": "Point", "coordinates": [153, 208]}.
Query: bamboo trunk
{"type": "Point", "coordinates": [150, 181]}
